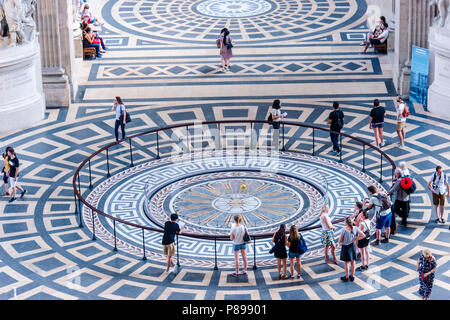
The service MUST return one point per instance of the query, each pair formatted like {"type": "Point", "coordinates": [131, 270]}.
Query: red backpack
{"type": "Point", "coordinates": [405, 113]}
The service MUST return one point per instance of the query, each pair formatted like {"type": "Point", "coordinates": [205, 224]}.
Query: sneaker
{"type": "Point", "coordinates": [170, 270]}
{"type": "Point", "coordinates": [244, 273]}
{"type": "Point", "coordinates": [352, 279]}
{"type": "Point", "coordinates": [234, 274]}
{"type": "Point", "coordinates": [437, 220]}
{"type": "Point", "coordinates": [385, 240]}
{"type": "Point", "coordinates": [361, 268]}
{"type": "Point", "coordinates": [174, 269]}
{"type": "Point", "coordinates": [442, 220]}
{"type": "Point", "coordinates": [12, 200]}
{"type": "Point", "coordinates": [366, 267]}
{"type": "Point", "coordinates": [383, 144]}
{"type": "Point", "coordinates": [298, 276]}
{"type": "Point", "coordinates": [344, 279]}
{"type": "Point", "coordinates": [376, 243]}
{"type": "Point", "coordinates": [23, 193]}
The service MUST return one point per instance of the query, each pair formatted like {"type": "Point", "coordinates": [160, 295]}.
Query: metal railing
{"type": "Point", "coordinates": [256, 126]}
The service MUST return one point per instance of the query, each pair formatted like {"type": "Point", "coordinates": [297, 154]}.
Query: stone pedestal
{"type": "Point", "coordinates": [22, 101]}
{"type": "Point", "coordinates": [439, 91]}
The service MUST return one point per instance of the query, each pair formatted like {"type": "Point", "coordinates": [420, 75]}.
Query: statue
{"type": "Point", "coordinates": [13, 12]}
{"type": "Point", "coordinates": [29, 25]}
{"type": "Point", "coordinates": [444, 12]}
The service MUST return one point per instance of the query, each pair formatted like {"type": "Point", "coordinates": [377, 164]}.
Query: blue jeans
{"type": "Point", "coordinates": [116, 129]}
{"type": "Point", "coordinates": [335, 140]}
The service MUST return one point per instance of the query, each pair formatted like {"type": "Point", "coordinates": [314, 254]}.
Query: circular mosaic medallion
{"type": "Point", "coordinates": [249, 21]}
{"type": "Point", "coordinates": [233, 8]}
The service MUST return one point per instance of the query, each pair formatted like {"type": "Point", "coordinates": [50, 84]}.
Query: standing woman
{"type": "Point", "coordinates": [276, 118]}
{"type": "Point", "coordinates": [426, 265]}
{"type": "Point", "coordinates": [279, 238]}
{"type": "Point", "coordinates": [327, 238]}
{"type": "Point", "coordinates": [363, 244]}
{"type": "Point", "coordinates": [237, 236]}
{"type": "Point", "coordinates": [225, 49]}
{"type": "Point", "coordinates": [376, 122]}
{"type": "Point", "coordinates": [348, 251]}
{"type": "Point", "coordinates": [121, 113]}
{"type": "Point", "coordinates": [294, 251]}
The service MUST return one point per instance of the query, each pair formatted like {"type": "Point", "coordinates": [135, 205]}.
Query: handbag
{"type": "Point", "coordinates": [302, 245]}
{"type": "Point", "coordinates": [229, 45]}
{"type": "Point", "coordinates": [422, 275]}
{"type": "Point", "coordinates": [127, 118]}
{"type": "Point", "coordinates": [246, 238]}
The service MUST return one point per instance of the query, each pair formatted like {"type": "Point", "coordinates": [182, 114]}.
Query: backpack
{"type": "Point", "coordinates": [218, 43]}
{"type": "Point", "coordinates": [405, 113]}
{"type": "Point", "coordinates": [270, 119]}
{"type": "Point", "coordinates": [385, 201]}
{"type": "Point", "coordinates": [408, 185]}
{"type": "Point", "coordinates": [302, 247]}
{"type": "Point", "coordinates": [340, 122]}
{"type": "Point", "coordinates": [366, 230]}
{"type": "Point", "coordinates": [435, 186]}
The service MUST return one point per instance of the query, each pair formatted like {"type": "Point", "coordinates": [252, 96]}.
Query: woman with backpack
{"type": "Point", "coordinates": [225, 44]}
{"type": "Point", "coordinates": [279, 250]}
{"type": "Point", "coordinates": [363, 244]}
{"type": "Point", "coordinates": [294, 250]}
{"type": "Point", "coordinates": [349, 235]}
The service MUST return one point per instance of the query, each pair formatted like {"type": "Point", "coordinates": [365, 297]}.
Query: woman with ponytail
{"type": "Point", "coordinates": [350, 234]}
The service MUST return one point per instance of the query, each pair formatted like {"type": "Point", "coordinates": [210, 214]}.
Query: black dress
{"type": "Point", "coordinates": [280, 247]}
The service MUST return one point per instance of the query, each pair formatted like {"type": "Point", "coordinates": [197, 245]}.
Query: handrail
{"type": "Point", "coordinates": [187, 125]}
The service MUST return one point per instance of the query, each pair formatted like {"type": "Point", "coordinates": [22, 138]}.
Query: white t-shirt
{"type": "Point", "coordinates": [276, 112]}
{"type": "Point", "coordinates": [385, 35]}
{"type": "Point", "coordinates": [119, 110]}
{"type": "Point", "coordinates": [440, 182]}
{"type": "Point", "coordinates": [238, 233]}
{"type": "Point", "coordinates": [400, 109]}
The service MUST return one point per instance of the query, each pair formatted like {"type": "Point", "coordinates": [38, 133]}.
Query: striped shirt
{"type": "Point", "coordinates": [349, 236]}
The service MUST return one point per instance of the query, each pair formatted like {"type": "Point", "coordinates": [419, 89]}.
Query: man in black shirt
{"type": "Point", "coordinates": [336, 122]}
{"type": "Point", "coordinates": [376, 122]}
{"type": "Point", "coordinates": [14, 174]}
{"type": "Point", "coordinates": [171, 228]}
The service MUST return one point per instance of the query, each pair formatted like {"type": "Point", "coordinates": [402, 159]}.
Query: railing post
{"type": "Point", "coordinates": [131, 155]}
{"type": "Point", "coordinates": [188, 147]}
{"type": "Point", "coordinates": [364, 158]}
{"type": "Point", "coordinates": [254, 254]}
{"type": "Point", "coordinates": [220, 136]}
{"type": "Point", "coordinates": [107, 163]}
{"type": "Point", "coordinates": [79, 201]}
{"type": "Point", "coordinates": [90, 175]}
{"type": "Point", "coordinates": [215, 254]}
{"type": "Point", "coordinates": [178, 254]}
{"type": "Point", "coordinates": [314, 143]}
{"type": "Point", "coordinates": [283, 149]}
{"type": "Point", "coordinates": [340, 148]}
{"type": "Point", "coordinates": [143, 245]}
{"type": "Point", "coordinates": [381, 168]}
{"type": "Point", "coordinates": [157, 145]}
{"type": "Point", "coordinates": [76, 204]}
{"type": "Point", "coordinates": [115, 238]}
{"type": "Point", "coordinates": [93, 224]}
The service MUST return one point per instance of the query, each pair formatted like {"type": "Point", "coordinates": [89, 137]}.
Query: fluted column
{"type": "Point", "coordinates": [413, 19]}
{"type": "Point", "coordinates": [54, 24]}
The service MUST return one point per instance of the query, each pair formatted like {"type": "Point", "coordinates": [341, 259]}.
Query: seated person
{"type": "Point", "coordinates": [372, 34]}
{"type": "Point", "coordinates": [90, 41]}
{"type": "Point", "coordinates": [380, 39]}
{"type": "Point", "coordinates": [86, 16]}
{"type": "Point", "coordinates": [97, 39]}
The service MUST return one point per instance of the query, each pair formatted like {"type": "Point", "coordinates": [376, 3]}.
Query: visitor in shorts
{"type": "Point", "coordinates": [350, 234]}
{"type": "Point", "coordinates": [5, 172]}
{"type": "Point", "coordinates": [171, 228]}
{"type": "Point", "coordinates": [327, 237]}
{"type": "Point", "coordinates": [279, 250]}
{"type": "Point", "coordinates": [438, 185]}
{"type": "Point", "coordinates": [363, 244]}
{"type": "Point", "coordinates": [385, 216]}
{"type": "Point", "coordinates": [13, 173]}
{"type": "Point", "coordinates": [294, 251]}
{"type": "Point", "coordinates": [376, 122]}
{"type": "Point", "coordinates": [401, 121]}
{"type": "Point", "coordinates": [336, 122]}
{"type": "Point", "coordinates": [237, 233]}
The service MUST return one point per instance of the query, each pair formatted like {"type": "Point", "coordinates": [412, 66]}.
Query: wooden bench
{"type": "Point", "coordinates": [89, 51]}
{"type": "Point", "coordinates": [382, 47]}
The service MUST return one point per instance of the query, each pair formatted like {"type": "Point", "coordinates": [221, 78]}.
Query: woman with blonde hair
{"type": "Point", "coordinates": [426, 265]}
{"type": "Point", "coordinates": [327, 238]}
{"type": "Point", "coordinates": [294, 250]}
{"type": "Point", "coordinates": [237, 233]}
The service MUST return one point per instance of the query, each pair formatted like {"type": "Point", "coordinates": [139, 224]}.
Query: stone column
{"type": "Point", "coordinates": [54, 23]}
{"type": "Point", "coordinates": [413, 19]}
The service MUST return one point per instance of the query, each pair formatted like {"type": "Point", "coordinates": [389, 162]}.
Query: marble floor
{"type": "Point", "coordinates": [163, 61]}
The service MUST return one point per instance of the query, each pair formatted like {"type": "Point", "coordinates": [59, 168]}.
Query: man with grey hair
{"type": "Point", "coordinates": [402, 200]}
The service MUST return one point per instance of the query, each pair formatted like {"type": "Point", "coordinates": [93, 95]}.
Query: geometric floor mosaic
{"type": "Point", "coordinates": [165, 66]}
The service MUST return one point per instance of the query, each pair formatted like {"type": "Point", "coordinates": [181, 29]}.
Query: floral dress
{"type": "Point", "coordinates": [426, 285]}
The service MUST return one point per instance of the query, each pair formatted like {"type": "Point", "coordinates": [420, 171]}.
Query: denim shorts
{"type": "Point", "coordinates": [237, 247]}
{"type": "Point", "coordinates": [293, 255]}
{"type": "Point", "coordinates": [377, 125]}
{"type": "Point", "coordinates": [384, 221]}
